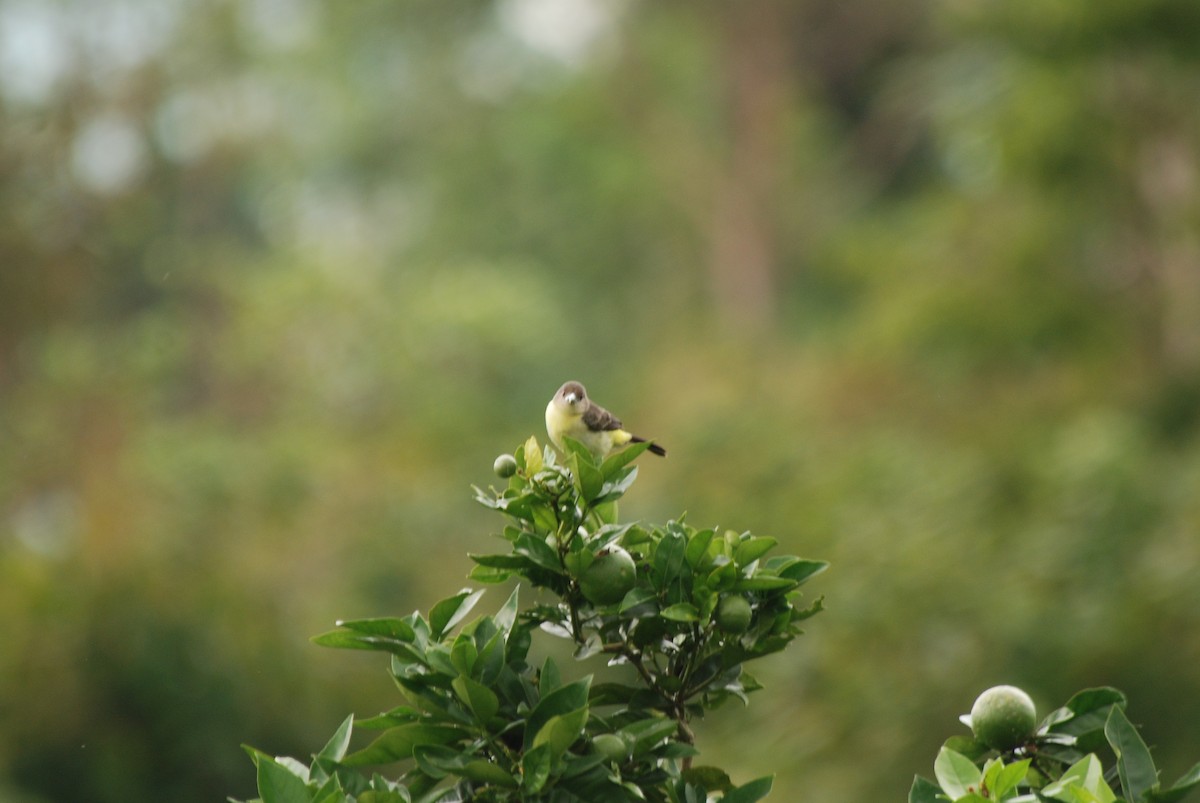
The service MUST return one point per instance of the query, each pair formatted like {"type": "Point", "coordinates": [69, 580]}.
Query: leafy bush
{"type": "Point", "coordinates": [1059, 761]}
{"type": "Point", "coordinates": [482, 723]}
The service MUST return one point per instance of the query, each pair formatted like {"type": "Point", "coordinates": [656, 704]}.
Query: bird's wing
{"type": "Point", "coordinates": [598, 419]}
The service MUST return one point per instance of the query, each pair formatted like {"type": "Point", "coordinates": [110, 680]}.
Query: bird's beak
{"type": "Point", "coordinates": [571, 398]}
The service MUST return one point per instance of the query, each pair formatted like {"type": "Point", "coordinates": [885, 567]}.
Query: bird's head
{"type": "Point", "coordinates": [572, 396]}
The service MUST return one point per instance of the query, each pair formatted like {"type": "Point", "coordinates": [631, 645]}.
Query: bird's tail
{"type": "Point", "coordinates": [654, 447]}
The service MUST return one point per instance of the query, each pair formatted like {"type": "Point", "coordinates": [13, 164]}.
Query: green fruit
{"type": "Point", "coordinates": [611, 746]}
{"type": "Point", "coordinates": [1003, 717]}
{"type": "Point", "coordinates": [733, 614]}
{"type": "Point", "coordinates": [505, 466]}
{"type": "Point", "coordinates": [609, 577]}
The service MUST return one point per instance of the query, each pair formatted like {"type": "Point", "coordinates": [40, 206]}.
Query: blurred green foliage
{"type": "Point", "coordinates": [915, 288]}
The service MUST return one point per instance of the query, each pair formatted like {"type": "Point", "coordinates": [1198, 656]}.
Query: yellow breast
{"type": "Point", "coordinates": [561, 424]}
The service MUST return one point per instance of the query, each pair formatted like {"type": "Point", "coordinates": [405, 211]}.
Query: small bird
{"type": "Point", "coordinates": [571, 414]}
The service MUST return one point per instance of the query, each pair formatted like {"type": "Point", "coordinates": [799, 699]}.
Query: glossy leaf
{"type": "Point", "coordinates": [588, 478]}
{"type": "Point", "coordinates": [561, 731]}
{"type": "Point", "coordinates": [277, 784]}
{"type": "Point", "coordinates": [1003, 779]}
{"type": "Point", "coordinates": [537, 550]}
{"type": "Point", "coordinates": [647, 733]}
{"type": "Point", "coordinates": [749, 793]}
{"type": "Point", "coordinates": [924, 790]}
{"type": "Point", "coordinates": [804, 570]}
{"type": "Point", "coordinates": [563, 700]}
{"type": "Point", "coordinates": [335, 748]}
{"type": "Point", "coordinates": [669, 556]}
{"type": "Point", "coordinates": [535, 768]}
{"type": "Point", "coordinates": [452, 610]}
{"type": "Point", "coordinates": [397, 743]}
{"type": "Point", "coordinates": [618, 460]}
{"type": "Point", "coordinates": [482, 701]}
{"type": "Point", "coordinates": [1179, 790]}
{"type": "Point", "coordinates": [487, 772]}
{"type": "Point", "coordinates": [752, 549]}
{"type": "Point", "coordinates": [1083, 782]}
{"type": "Point", "coordinates": [711, 779]}
{"type": "Point", "coordinates": [1134, 763]}
{"type": "Point", "coordinates": [681, 612]}
{"type": "Point", "coordinates": [956, 773]}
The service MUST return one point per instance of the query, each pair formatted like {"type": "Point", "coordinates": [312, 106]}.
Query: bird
{"type": "Point", "coordinates": [572, 414]}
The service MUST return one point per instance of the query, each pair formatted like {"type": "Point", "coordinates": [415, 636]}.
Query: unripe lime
{"type": "Point", "coordinates": [609, 577]}
{"type": "Point", "coordinates": [1003, 717]}
{"type": "Point", "coordinates": [505, 466]}
{"type": "Point", "coordinates": [733, 614]}
{"type": "Point", "coordinates": [611, 746]}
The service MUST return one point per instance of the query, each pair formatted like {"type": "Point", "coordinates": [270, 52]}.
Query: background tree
{"type": "Point", "coordinates": [275, 274]}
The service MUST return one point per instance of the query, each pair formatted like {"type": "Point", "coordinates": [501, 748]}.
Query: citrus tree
{"type": "Point", "coordinates": [675, 610]}
{"type": "Point", "coordinates": [1087, 751]}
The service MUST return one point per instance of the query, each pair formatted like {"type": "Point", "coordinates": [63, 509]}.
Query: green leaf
{"type": "Point", "coordinates": [487, 772]}
{"type": "Point", "coordinates": [618, 460]}
{"type": "Point", "coordinates": [711, 779]}
{"type": "Point", "coordinates": [374, 796]}
{"type": "Point", "coordinates": [535, 768]}
{"type": "Point", "coordinates": [669, 556]}
{"type": "Point", "coordinates": [1134, 764]}
{"type": "Point", "coordinates": [924, 790]}
{"type": "Point", "coordinates": [349, 640]}
{"type": "Point", "coordinates": [530, 454]}
{"type": "Point", "coordinates": [482, 701]}
{"type": "Point", "coordinates": [506, 561]}
{"type": "Point", "coordinates": [616, 489]}
{"type": "Point", "coordinates": [621, 694]}
{"type": "Point", "coordinates": [538, 551]}
{"type": "Point", "coordinates": [452, 610]}
{"type": "Point", "coordinates": [401, 715]}
{"type": "Point", "coordinates": [639, 595]}
{"type": "Point", "coordinates": [956, 773]}
{"type": "Point", "coordinates": [1083, 782]}
{"type": "Point", "coordinates": [1179, 789]}
{"type": "Point", "coordinates": [331, 791]}
{"type": "Point", "coordinates": [335, 748]}
{"type": "Point", "coordinates": [396, 744]}
{"type": "Point", "coordinates": [438, 657]}
{"type": "Point", "coordinates": [1084, 716]}
{"type": "Point", "coordinates": [1002, 779]}
{"type": "Point", "coordinates": [967, 746]}
{"type": "Point", "coordinates": [577, 450]}
{"type": "Point", "coordinates": [1099, 698]}
{"type": "Point", "coordinates": [562, 700]}
{"type": "Point", "coordinates": [507, 615]}
{"type": "Point", "coordinates": [463, 653]}
{"type": "Point", "coordinates": [697, 547]}
{"type": "Point", "coordinates": [491, 659]}
{"type": "Point", "coordinates": [277, 784]}
{"type": "Point", "coordinates": [486, 574]}
{"type": "Point", "coordinates": [588, 478]}
{"type": "Point", "coordinates": [382, 626]}
{"type": "Point", "coordinates": [562, 731]}
{"type": "Point", "coordinates": [647, 733]}
{"type": "Point", "coordinates": [763, 583]}
{"type": "Point", "coordinates": [803, 570]}
{"type": "Point", "coordinates": [723, 577]}
{"type": "Point", "coordinates": [752, 549]}
{"type": "Point", "coordinates": [748, 793]}
{"type": "Point", "coordinates": [550, 678]}
{"type": "Point", "coordinates": [681, 612]}
{"type": "Point", "coordinates": [437, 761]}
